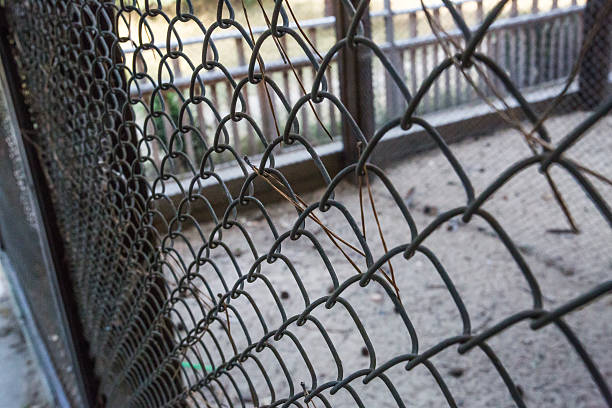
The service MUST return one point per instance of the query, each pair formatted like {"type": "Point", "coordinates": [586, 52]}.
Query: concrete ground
{"type": "Point", "coordinates": [20, 379]}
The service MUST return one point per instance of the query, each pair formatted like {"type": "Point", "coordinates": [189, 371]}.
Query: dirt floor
{"type": "Point", "coordinates": [20, 379]}
{"type": "Point", "coordinates": [544, 366]}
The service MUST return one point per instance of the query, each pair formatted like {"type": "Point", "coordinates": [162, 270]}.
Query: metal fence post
{"type": "Point", "coordinates": [50, 249]}
{"type": "Point", "coordinates": [394, 99]}
{"type": "Point", "coordinates": [355, 72]}
{"type": "Point", "coordinates": [595, 66]}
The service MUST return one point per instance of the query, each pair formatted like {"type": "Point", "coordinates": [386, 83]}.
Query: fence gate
{"type": "Point", "coordinates": [197, 231]}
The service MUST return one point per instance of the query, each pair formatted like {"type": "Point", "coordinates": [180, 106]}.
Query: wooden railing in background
{"type": "Point", "coordinates": [536, 48]}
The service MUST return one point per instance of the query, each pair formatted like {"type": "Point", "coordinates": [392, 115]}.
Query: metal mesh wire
{"type": "Point", "coordinates": [194, 291]}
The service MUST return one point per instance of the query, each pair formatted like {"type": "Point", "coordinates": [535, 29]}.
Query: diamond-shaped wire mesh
{"type": "Point", "coordinates": [452, 277]}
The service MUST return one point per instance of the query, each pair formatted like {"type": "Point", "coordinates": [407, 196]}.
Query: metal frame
{"type": "Point", "coordinates": [64, 374]}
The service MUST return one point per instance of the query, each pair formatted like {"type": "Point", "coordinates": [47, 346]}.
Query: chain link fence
{"type": "Point", "coordinates": [207, 270]}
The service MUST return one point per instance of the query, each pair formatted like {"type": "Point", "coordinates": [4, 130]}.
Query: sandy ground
{"type": "Point", "coordinates": [20, 381]}
{"type": "Point", "coordinates": [543, 365]}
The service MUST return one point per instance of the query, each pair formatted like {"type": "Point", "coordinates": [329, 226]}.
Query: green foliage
{"type": "Point", "coordinates": [172, 108]}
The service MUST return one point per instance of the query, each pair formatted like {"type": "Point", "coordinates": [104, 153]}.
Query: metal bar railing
{"type": "Point", "coordinates": [534, 48]}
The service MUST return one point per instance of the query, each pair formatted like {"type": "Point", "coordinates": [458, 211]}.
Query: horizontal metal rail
{"type": "Point", "coordinates": [407, 54]}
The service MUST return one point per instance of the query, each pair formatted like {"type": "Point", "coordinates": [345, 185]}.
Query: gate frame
{"type": "Point", "coordinates": [51, 248]}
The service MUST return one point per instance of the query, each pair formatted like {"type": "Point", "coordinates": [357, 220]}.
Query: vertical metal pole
{"type": "Point", "coordinates": [53, 248]}
{"type": "Point", "coordinates": [355, 68]}
{"type": "Point", "coordinates": [595, 66]}
{"type": "Point", "coordinates": [395, 102]}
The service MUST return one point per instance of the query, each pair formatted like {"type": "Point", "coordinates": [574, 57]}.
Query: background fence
{"type": "Point", "coordinates": [537, 47]}
{"type": "Point", "coordinates": [472, 274]}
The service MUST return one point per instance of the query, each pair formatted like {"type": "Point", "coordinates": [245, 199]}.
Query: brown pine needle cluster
{"type": "Point", "coordinates": [507, 114]}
